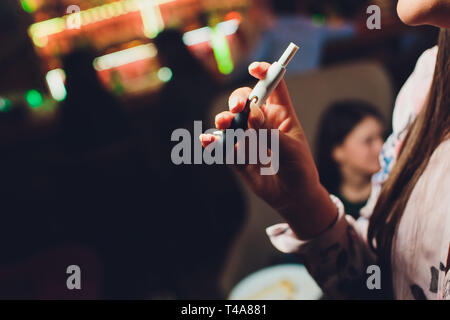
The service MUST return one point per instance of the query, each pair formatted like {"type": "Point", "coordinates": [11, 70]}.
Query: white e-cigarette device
{"type": "Point", "coordinates": [263, 89]}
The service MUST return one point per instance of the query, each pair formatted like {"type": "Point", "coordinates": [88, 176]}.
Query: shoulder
{"type": "Point", "coordinates": [427, 61]}
{"type": "Point", "coordinates": [414, 92]}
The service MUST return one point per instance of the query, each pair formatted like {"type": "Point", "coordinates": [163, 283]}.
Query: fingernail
{"type": "Point", "coordinates": [233, 103]}
{"type": "Point", "coordinates": [253, 65]}
{"type": "Point", "coordinates": [218, 117]}
{"type": "Point", "coordinates": [206, 138]}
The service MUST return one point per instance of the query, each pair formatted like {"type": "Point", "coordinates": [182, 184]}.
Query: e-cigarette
{"type": "Point", "coordinates": [261, 91]}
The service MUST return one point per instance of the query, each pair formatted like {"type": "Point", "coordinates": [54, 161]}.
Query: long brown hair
{"type": "Point", "coordinates": [429, 129]}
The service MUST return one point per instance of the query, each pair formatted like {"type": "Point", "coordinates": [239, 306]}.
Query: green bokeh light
{"type": "Point", "coordinates": [29, 5]}
{"type": "Point", "coordinates": [34, 98]}
{"type": "Point", "coordinates": [318, 20]}
{"type": "Point", "coordinates": [5, 105]}
{"type": "Point", "coordinates": [221, 51]}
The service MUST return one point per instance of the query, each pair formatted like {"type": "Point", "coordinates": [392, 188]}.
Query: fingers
{"type": "Point", "coordinates": [207, 139]}
{"type": "Point", "coordinates": [238, 99]}
{"type": "Point", "coordinates": [256, 119]}
{"type": "Point", "coordinates": [280, 95]}
{"type": "Point", "coordinates": [223, 120]}
{"type": "Point", "coordinates": [237, 102]}
{"type": "Point", "coordinates": [258, 69]}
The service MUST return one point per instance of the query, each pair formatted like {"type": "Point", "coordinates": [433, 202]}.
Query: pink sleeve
{"type": "Point", "coordinates": [337, 259]}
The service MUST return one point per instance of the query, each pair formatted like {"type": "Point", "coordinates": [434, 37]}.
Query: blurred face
{"type": "Point", "coordinates": [360, 149]}
{"type": "Point", "coordinates": [418, 12]}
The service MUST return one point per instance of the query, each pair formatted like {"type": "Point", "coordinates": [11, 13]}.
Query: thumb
{"type": "Point", "coordinates": [256, 119]}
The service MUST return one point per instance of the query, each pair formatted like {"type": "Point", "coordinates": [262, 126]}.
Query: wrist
{"type": "Point", "coordinates": [311, 214]}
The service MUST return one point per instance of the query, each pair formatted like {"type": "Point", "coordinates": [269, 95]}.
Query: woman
{"type": "Point", "coordinates": [405, 227]}
{"type": "Point", "coordinates": [348, 144]}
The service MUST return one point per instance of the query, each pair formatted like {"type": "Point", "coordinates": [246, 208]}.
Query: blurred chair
{"type": "Point", "coordinates": [311, 93]}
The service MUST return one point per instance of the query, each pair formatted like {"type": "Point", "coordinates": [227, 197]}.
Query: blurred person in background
{"type": "Point", "coordinates": [102, 185]}
{"type": "Point", "coordinates": [203, 232]}
{"type": "Point", "coordinates": [349, 142]}
{"type": "Point", "coordinates": [310, 24]}
{"type": "Point", "coordinates": [90, 115]}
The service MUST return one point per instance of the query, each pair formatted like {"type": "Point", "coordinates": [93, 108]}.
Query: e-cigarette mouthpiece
{"type": "Point", "coordinates": [288, 54]}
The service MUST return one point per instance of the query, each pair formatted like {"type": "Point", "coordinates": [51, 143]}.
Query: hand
{"type": "Point", "coordinates": [295, 191]}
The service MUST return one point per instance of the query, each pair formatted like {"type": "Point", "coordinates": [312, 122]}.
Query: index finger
{"type": "Point", "coordinates": [238, 99]}
{"type": "Point", "coordinates": [280, 95]}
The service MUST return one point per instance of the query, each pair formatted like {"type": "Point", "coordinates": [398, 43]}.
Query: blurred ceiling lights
{"type": "Point", "coordinates": [120, 58]}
